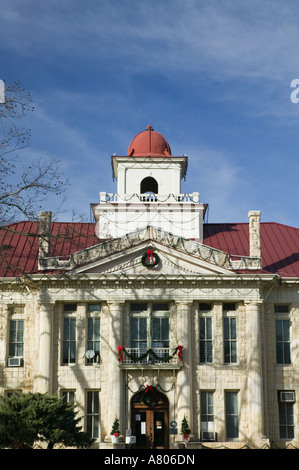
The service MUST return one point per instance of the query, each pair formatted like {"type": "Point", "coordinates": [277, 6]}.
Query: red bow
{"type": "Point", "coordinates": [150, 256]}
{"type": "Point", "coordinates": [180, 353]}
{"type": "Point", "coordinates": [150, 388]}
{"type": "Point", "coordinates": [120, 353]}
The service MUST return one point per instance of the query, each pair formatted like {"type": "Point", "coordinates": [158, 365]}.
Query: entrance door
{"type": "Point", "coordinates": [150, 426]}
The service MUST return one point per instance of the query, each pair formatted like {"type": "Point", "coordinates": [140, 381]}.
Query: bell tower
{"type": "Point", "coordinates": [149, 192]}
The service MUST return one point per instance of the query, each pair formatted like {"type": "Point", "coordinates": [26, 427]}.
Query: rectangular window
{"type": "Point", "coordinates": [232, 418]}
{"type": "Point", "coordinates": [68, 396]}
{"type": "Point", "coordinates": [93, 332]}
{"type": "Point", "coordinates": [69, 340]}
{"type": "Point", "coordinates": [230, 339]}
{"type": "Point", "coordinates": [204, 306]}
{"type": "Point", "coordinates": [149, 329]}
{"type": "Point", "coordinates": [149, 326]}
{"type": "Point", "coordinates": [207, 411]}
{"type": "Point", "coordinates": [93, 414]}
{"type": "Point", "coordinates": [16, 338]}
{"type": "Point", "coordinates": [229, 306]}
{"type": "Point", "coordinates": [286, 420]}
{"type": "Point", "coordinates": [205, 340]}
{"type": "Point", "coordinates": [283, 341]}
{"type": "Point", "coordinates": [93, 338]}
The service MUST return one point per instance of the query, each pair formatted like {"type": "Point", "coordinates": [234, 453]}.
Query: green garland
{"type": "Point", "coordinates": [121, 350]}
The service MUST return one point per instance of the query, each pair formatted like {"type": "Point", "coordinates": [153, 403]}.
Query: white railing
{"type": "Point", "coordinates": [158, 198]}
{"type": "Point", "coordinates": [137, 356]}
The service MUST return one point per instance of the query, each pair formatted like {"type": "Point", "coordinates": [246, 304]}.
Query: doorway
{"type": "Point", "coordinates": [150, 424]}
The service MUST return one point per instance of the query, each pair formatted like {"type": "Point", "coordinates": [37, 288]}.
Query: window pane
{"type": "Point", "coordinates": [283, 345]}
{"type": "Point", "coordinates": [232, 421]}
{"type": "Point", "coordinates": [92, 414]}
{"type": "Point", "coordinates": [156, 328]}
{"type": "Point", "coordinates": [233, 334]}
{"type": "Point", "coordinates": [279, 336]}
{"type": "Point", "coordinates": [90, 329]}
{"type": "Point", "coordinates": [96, 407]}
{"type": "Point", "coordinates": [66, 328]}
{"type": "Point", "coordinates": [232, 427]}
{"type": "Point", "coordinates": [16, 333]}
{"type": "Point", "coordinates": [95, 433]}
{"type": "Point", "coordinates": [286, 330]}
{"type": "Point", "coordinates": [202, 328]}
{"type": "Point", "coordinates": [65, 353]}
{"type": "Point", "coordinates": [94, 307]}
{"type": "Point", "coordinates": [89, 402]}
{"type": "Point", "coordinates": [159, 307]}
{"type": "Point", "coordinates": [72, 358]}
{"type": "Point", "coordinates": [286, 421]}
{"type": "Point", "coordinates": [160, 337]}
{"type": "Point", "coordinates": [138, 332]}
{"type": "Point", "coordinates": [72, 329]}
{"type": "Point", "coordinates": [233, 352]}
{"type": "Point", "coordinates": [165, 329]}
{"type": "Point", "coordinates": [139, 307]}
{"type": "Point", "coordinates": [209, 328]}
{"type": "Point", "coordinates": [287, 354]}
{"type": "Point", "coordinates": [134, 328]}
{"type": "Point", "coordinates": [226, 328]}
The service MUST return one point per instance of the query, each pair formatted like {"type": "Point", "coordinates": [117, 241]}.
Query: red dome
{"type": "Point", "coordinates": [149, 143]}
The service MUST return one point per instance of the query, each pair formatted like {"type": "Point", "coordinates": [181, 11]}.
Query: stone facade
{"type": "Point", "coordinates": [255, 376]}
{"type": "Point", "coordinates": [152, 326]}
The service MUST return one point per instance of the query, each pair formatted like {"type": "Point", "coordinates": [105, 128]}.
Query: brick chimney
{"type": "Point", "coordinates": [254, 234]}
{"type": "Point", "coordinates": [44, 234]}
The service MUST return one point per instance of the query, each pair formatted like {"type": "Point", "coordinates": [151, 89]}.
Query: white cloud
{"type": "Point", "coordinates": [249, 39]}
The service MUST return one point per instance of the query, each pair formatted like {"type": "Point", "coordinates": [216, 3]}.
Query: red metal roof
{"type": "Point", "coordinates": [279, 244]}
{"type": "Point", "coordinates": [19, 244]}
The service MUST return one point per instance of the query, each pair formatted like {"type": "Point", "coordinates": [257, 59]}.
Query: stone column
{"type": "Point", "coordinates": [44, 369]}
{"type": "Point", "coordinates": [115, 374]}
{"type": "Point", "coordinates": [184, 376]}
{"type": "Point", "coordinates": [255, 373]}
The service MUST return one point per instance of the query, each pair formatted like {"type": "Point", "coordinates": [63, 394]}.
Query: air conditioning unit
{"type": "Point", "coordinates": [287, 396]}
{"type": "Point", "coordinates": [210, 436]}
{"type": "Point", "coordinates": [15, 361]}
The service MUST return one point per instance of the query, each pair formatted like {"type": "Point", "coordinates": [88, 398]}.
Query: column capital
{"type": "Point", "coordinates": [184, 303]}
{"type": "Point", "coordinates": [253, 302]}
{"type": "Point", "coordinates": [115, 305]}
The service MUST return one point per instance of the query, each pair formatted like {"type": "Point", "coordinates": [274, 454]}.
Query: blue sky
{"type": "Point", "coordinates": [213, 77]}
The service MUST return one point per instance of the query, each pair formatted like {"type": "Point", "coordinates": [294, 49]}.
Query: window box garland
{"type": "Point", "coordinates": [123, 352]}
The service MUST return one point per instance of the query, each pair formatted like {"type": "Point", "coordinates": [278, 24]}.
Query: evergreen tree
{"type": "Point", "coordinates": [29, 418]}
{"type": "Point", "coordinates": [115, 427]}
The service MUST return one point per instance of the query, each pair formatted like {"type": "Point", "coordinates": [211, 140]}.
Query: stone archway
{"type": "Point", "coordinates": [150, 419]}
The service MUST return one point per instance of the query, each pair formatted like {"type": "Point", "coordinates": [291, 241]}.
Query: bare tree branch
{"type": "Point", "coordinates": [22, 190]}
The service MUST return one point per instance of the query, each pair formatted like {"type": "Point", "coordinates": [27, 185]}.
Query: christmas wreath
{"type": "Point", "coordinates": [150, 259]}
{"type": "Point", "coordinates": [149, 396]}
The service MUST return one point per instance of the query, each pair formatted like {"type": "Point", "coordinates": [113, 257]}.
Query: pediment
{"type": "Point", "coordinates": [127, 255]}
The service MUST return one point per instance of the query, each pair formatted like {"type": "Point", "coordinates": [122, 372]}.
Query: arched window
{"type": "Point", "coordinates": [149, 185]}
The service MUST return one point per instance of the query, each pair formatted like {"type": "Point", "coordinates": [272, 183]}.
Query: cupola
{"type": "Point", "coordinates": [149, 143]}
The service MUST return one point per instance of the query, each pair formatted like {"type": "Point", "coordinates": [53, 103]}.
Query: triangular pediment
{"type": "Point", "coordinates": [129, 255]}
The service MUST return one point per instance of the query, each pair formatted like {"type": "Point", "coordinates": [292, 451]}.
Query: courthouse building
{"type": "Point", "coordinates": [152, 315]}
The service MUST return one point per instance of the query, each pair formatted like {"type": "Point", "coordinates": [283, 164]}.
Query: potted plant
{"type": "Point", "coordinates": [185, 430]}
{"type": "Point", "coordinates": [115, 431]}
